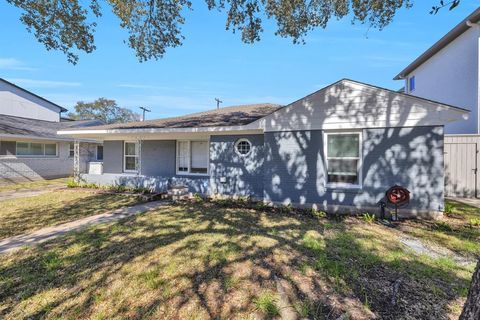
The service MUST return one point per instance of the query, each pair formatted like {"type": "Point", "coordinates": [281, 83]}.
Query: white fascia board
{"type": "Point", "coordinates": [30, 137]}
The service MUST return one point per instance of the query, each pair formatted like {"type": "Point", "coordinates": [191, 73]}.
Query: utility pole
{"type": "Point", "coordinates": [218, 102]}
{"type": "Point", "coordinates": [144, 109]}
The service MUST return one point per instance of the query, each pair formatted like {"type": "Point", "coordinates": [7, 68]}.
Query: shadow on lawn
{"type": "Point", "coordinates": [328, 269]}
{"type": "Point", "coordinates": [48, 209]}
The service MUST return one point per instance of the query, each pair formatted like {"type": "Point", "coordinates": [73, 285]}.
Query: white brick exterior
{"type": "Point", "coordinates": [14, 168]}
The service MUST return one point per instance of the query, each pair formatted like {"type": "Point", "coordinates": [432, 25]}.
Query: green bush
{"type": "Point", "coordinates": [448, 209]}
{"type": "Point", "coordinates": [368, 218]}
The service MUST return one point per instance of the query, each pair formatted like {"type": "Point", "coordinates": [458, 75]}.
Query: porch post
{"type": "Point", "coordinates": [76, 160]}
{"type": "Point", "coordinates": [139, 169]}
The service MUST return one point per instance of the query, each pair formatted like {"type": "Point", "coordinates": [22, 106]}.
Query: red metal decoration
{"type": "Point", "coordinates": [398, 196]}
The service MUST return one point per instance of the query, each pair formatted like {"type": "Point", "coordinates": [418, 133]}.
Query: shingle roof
{"type": "Point", "coordinates": [11, 125]}
{"type": "Point", "coordinates": [459, 29]}
{"type": "Point", "coordinates": [227, 116]}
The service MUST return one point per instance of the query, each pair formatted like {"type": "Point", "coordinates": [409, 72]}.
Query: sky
{"type": "Point", "coordinates": [213, 62]}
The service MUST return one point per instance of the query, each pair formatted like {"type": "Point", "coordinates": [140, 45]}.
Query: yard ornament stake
{"type": "Point", "coordinates": [398, 196]}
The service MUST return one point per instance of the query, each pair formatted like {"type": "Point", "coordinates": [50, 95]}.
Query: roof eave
{"type": "Point", "coordinates": [440, 44]}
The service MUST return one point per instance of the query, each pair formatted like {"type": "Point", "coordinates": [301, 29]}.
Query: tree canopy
{"type": "Point", "coordinates": [103, 109]}
{"type": "Point", "coordinates": [155, 25]}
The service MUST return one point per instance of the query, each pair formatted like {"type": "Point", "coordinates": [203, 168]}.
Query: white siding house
{"type": "Point", "coordinates": [30, 148]}
{"type": "Point", "coordinates": [448, 72]}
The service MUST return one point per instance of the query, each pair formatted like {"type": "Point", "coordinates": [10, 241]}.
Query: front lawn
{"type": "Point", "coordinates": [21, 215]}
{"type": "Point", "coordinates": [36, 184]}
{"type": "Point", "coordinates": [207, 260]}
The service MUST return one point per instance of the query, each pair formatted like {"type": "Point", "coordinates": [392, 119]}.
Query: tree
{"type": "Point", "coordinates": [471, 309]}
{"type": "Point", "coordinates": [155, 25]}
{"type": "Point", "coordinates": [103, 109]}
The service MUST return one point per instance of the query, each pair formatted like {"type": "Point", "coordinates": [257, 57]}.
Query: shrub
{"type": "Point", "coordinates": [448, 209]}
{"type": "Point", "coordinates": [368, 218]}
{"type": "Point", "coordinates": [318, 213]}
{"type": "Point", "coordinates": [71, 183]}
{"type": "Point", "coordinates": [475, 222]}
{"type": "Point", "coordinates": [197, 197]}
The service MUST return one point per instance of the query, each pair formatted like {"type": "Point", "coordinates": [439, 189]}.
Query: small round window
{"type": "Point", "coordinates": [243, 147]}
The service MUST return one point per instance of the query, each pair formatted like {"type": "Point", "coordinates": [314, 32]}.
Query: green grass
{"type": "Point", "coordinates": [212, 261]}
{"type": "Point", "coordinates": [27, 214]}
{"type": "Point", "coordinates": [267, 304]}
{"type": "Point", "coordinates": [458, 232]}
{"type": "Point", "coordinates": [37, 184]}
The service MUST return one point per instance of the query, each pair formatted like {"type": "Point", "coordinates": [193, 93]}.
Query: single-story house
{"type": "Point", "coordinates": [337, 149]}
{"type": "Point", "coordinates": [30, 147]}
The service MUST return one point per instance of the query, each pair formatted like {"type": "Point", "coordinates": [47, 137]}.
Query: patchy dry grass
{"type": "Point", "coordinates": [37, 184]}
{"type": "Point", "coordinates": [21, 215]}
{"type": "Point", "coordinates": [204, 261]}
{"type": "Point", "coordinates": [458, 231]}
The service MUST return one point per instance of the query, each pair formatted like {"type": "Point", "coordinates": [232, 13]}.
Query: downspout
{"type": "Point", "coordinates": [476, 25]}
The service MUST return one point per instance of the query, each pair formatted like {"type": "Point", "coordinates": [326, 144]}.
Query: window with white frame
{"type": "Point", "coordinates": [343, 155]}
{"type": "Point", "coordinates": [130, 156]}
{"type": "Point", "coordinates": [71, 150]}
{"type": "Point", "coordinates": [192, 157]}
{"type": "Point", "coordinates": [100, 153]}
{"type": "Point", "coordinates": [34, 149]}
{"type": "Point", "coordinates": [411, 84]}
{"type": "Point", "coordinates": [243, 147]}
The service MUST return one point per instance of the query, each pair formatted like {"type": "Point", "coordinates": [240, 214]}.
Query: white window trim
{"type": "Point", "coordinates": [183, 173]}
{"type": "Point", "coordinates": [340, 185]}
{"type": "Point", "coordinates": [44, 156]}
{"type": "Point", "coordinates": [236, 147]}
{"type": "Point", "coordinates": [125, 156]}
{"type": "Point", "coordinates": [71, 144]}
{"type": "Point", "coordinates": [409, 84]}
{"type": "Point", "coordinates": [96, 152]}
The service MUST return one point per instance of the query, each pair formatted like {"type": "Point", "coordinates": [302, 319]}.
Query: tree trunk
{"type": "Point", "coordinates": [471, 309]}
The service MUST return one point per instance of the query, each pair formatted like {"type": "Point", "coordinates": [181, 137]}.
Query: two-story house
{"type": "Point", "coordinates": [30, 148]}
{"type": "Point", "coordinates": [449, 72]}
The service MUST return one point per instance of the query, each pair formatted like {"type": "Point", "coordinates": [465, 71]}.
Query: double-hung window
{"type": "Point", "coordinates": [130, 156]}
{"type": "Point", "coordinates": [343, 159]}
{"type": "Point", "coordinates": [99, 153]}
{"type": "Point", "coordinates": [34, 149]}
{"type": "Point", "coordinates": [192, 157]}
{"type": "Point", "coordinates": [71, 150]}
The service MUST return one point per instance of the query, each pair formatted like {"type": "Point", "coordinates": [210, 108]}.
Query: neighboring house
{"type": "Point", "coordinates": [338, 149]}
{"type": "Point", "coordinates": [29, 145]}
{"type": "Point", "coordinates": [449, 72]}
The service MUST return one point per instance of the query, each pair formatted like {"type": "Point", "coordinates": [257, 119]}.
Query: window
{"type": "Point", "coordinates": [411, 84]}
{"type": "Point", "coordinates": [130, 158]}
{"type": "Point", "coordinates": [71, 149]}
{"type": "Point", "coordinates": [192, 157]}
{"type": "Point", "coordinates": [343, 159]}
{"type": "Point", "coordinates": [100, 153]}
{"type": "Point", "coordinates": [243, 147]}
{"type": "Point", "coordinates": [36, 149]}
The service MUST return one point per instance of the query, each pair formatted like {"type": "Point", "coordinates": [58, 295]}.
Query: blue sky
{"type": "Point", "coordinates": [214, 62]}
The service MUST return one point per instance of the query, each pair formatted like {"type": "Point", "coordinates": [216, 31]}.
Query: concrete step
{"type": "Point", "coordinates": [178, 191]}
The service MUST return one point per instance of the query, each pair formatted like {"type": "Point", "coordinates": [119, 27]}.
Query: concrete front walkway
{"type": "Point", "coordinates": [45, 234]}
{"type": "Point", "coordinates": [474, 202]}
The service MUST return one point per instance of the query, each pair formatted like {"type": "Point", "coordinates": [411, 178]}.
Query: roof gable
{"type": "Point", "coordinates": [33, 95]}
{"type": "Point", "coordinates": [349, 104]}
